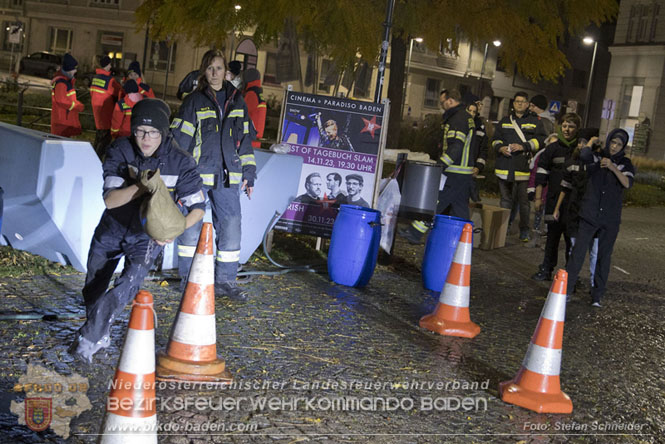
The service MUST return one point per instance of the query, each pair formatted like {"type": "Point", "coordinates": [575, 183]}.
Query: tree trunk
{"type": "Point", "coordinates": [395, 87]}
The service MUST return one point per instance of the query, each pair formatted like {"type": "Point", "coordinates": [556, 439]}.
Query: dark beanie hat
{"type": "Point", "coordinates": [540, 101]}
{"type": "Point", "coordinates": [130, 86]}
{"type": "Point", "coordinates": [235, 67]}
{"type": "Point", "coordinates": [151, 112]}
{"type": "Point", "coordinates": [104, 61]}
{"type": "Point", "coordinates": [69, 62]}
{"type": "Point", "coordinates": [251, 75]}
{"type": "Point", "coordinates": [134, 67]}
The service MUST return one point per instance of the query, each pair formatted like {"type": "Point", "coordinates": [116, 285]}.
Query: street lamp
{"type": "Point", "coordinates": [587, 104]}
{"type": "Point", "coordinates": [496, 43]}
{"type": "Point", "coordinates": [408, 66]}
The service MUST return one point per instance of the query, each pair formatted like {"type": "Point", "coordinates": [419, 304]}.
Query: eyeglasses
{"type": "Point", "coordinates": [153, 134]}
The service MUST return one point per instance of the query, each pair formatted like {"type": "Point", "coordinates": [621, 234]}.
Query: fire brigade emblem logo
{"type": "Point", "coordinates": [38, 413]}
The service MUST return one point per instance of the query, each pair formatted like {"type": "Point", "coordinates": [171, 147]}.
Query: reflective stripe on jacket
{"type": "Point", "coordinates": [202, 125]}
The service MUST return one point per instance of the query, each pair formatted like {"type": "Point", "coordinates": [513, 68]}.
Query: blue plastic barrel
{"type": "Point", "coordinates": [440, 249]}
{"type": "Point", "coordinates": [354, 245]}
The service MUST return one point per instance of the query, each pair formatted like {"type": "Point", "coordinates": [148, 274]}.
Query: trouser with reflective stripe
{"type": "Point", "coordinates": [109, 243]}
{"type": "Point", "coordinates": [225, 205]}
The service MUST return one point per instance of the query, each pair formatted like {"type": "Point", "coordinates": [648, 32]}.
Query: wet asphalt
{"type": "Point", "coordinates": [311, 349]}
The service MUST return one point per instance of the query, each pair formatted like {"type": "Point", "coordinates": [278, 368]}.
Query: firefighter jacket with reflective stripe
{"type": "Point", "coordinates": [257, 108]}
{"type": "Point", "coordinates": [122, 116]}
{"type": "Point", "coordinates": [65, 108]}
{"type": "Point", "coordinates": [457, 136]}
{"type": "Point", "coordinates": [551, 170]}
{"type": "Point", "coordinates": [203, 124]}
{"type": "Point", "coordinates": [124, 163]}
{"type": "Point", "coordinates": [516, 166]}
{"type": "Point", "coordinates": [104, 91]}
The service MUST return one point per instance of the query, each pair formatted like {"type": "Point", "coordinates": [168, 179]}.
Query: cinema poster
{"type": "Point", "coordinates": [338, 140]}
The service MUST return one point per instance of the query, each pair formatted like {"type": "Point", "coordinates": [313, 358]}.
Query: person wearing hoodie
{"type": "Point", "coordinates": [104, 92]}
{"type": "Point", "coordinates": [253, 95]}
{"type": "Point", "coordinates": [122, 113]}
{"type": "Point", "coordinates": [213, 124]}
{"type": "Point", "coordinates": [65, 108]}
{"type": "Point", "coordinates": [120, 232]}
{"type": "Point", "coordinates": [551, 169]}
{"type": "Point", "coordinates": [609, 173]}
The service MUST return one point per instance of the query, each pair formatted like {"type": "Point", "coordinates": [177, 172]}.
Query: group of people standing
{"type": "Point", "coordinates": [584, 179]}
{"type": "Point", "coordinates": [205, 157]}
{"type": "Point", "coordinates": [112, 102]}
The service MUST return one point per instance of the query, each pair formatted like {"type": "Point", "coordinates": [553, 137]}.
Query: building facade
{"type": "Point", "coordinates": [634, 98]}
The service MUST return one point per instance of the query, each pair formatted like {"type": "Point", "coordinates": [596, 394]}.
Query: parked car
{"type": "Point", "coordinates": [43, 64]}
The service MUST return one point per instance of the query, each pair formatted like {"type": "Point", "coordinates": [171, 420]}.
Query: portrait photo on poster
{"type": "Point", "coordinates": [330, 187]}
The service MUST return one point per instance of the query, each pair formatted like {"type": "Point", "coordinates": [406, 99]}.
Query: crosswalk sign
{"type": "Point", "coordinates": [555, 107]}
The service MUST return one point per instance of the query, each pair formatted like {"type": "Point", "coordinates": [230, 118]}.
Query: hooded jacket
{"type": "Point", "coordinates": [203, 125]}
{"type": "Point", "coordinates": [104, 91]}
{"type": "Point", "coordinates": [65, 108]}
{"type": "Point", "coordinates": [602, 201]}
{"type": "Point", "coordinates": [256, 105]}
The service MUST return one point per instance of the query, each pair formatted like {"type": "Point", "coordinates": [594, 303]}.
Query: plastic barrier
{"type": "Point", "coordinates": [354, 245]}
{"type": "Point", "coordinates": [53, 194]}
{"type": "Point", "coordinates": [440, 249]}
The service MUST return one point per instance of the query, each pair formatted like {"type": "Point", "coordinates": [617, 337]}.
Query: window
{"type": "Point", "coordinates": [363, 79]}
{"type": "Point", "coordinates": [328, 75]}
{"type": "Point", "coordinates": [432, 93]}
{"type": "Point", "coordinates": [642, 23]}
{"type": "Point", "coordinates": [13, 36]}
{"type": "Point", "coordinates": [105, 3]}
{"type": "Point", "coordinates": [60, 40]}
{"type": "Point", "coordinates": [160, 56]}
{"type": "Point", "coordinates": [270, 75]}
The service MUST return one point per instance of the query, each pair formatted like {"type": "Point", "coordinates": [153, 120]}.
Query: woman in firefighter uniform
{"type": "Point", "coordinates": [214, 126]}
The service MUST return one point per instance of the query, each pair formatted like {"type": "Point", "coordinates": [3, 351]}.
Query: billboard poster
{"type": "Point", "coordinates": [338, 140]}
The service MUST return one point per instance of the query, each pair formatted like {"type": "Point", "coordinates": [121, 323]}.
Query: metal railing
{"type": "Point", "coordinates": [21, 88]}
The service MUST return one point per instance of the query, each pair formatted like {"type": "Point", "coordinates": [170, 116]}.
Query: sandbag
{"type": "Point", "coordinates": [161, 218]}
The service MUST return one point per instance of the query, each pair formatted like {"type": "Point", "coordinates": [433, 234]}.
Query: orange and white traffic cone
{"type": "Point", "coordinates": [451, 315]}
{"type": "Point", "coordinates": [536, 386]}
{"type": "Point", "coordinates": [131, 415]}
{"type": "Point", "coordinates": [191, 354]}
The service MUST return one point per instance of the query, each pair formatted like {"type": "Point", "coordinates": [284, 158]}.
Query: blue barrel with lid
{"type": "Point", "coordinates": [354, 245]}
{"type": "Point", "coordinates": [440, 250]}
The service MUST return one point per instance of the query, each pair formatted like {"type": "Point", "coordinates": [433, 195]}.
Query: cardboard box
{"type": "Point", "coordinates": [494, 224]}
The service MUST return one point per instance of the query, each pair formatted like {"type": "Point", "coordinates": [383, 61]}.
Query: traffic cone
{"type": "Point", "coordinates": [536, 386]}
{"type": "Point", "coordinates": [191, 354]}
{"type": "Point", "coordinates": [451, 315]}
{"type": "Point", "coordinates": [131, 415]}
